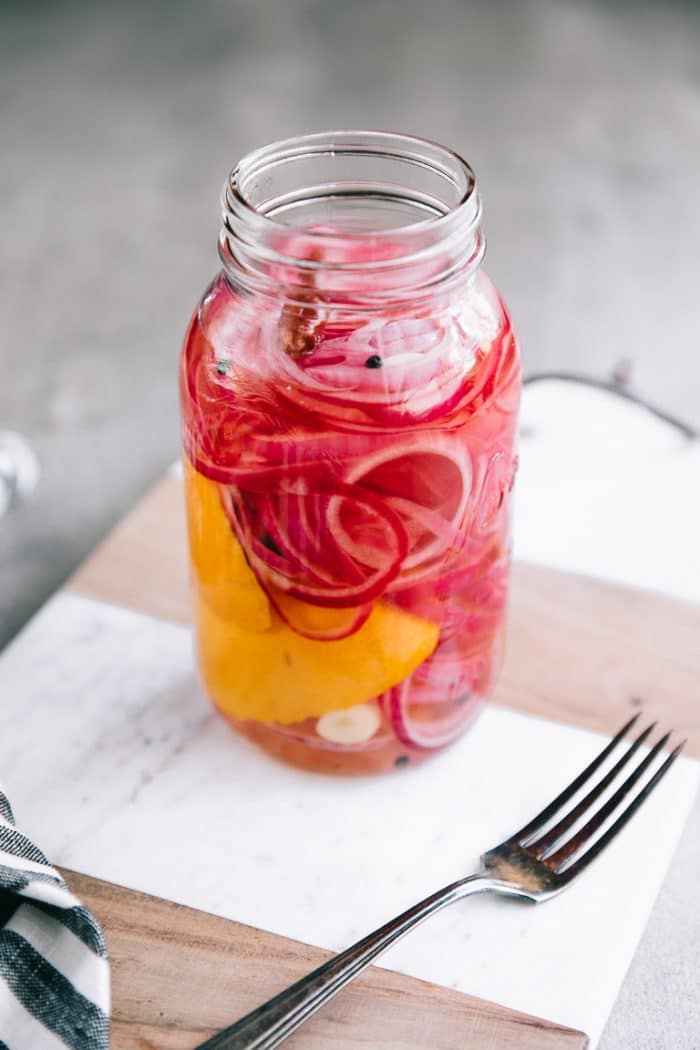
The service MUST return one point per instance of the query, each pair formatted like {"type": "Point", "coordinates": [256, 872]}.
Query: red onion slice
{"type": "Point", "coordinates": [427, 481]}
{"type": "Point", "coordinates": [330, 570]}
{"type": "Point", "coordinates": [299, 616]}
{"type": "Point", "coordinates": [430, 734]}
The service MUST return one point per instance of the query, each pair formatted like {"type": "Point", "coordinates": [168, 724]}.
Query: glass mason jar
{"type": "Point", "coordinates": [350, 386]}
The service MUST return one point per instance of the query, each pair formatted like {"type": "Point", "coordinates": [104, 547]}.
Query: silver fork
{"type": "Point", "coordinates": [533, 865]}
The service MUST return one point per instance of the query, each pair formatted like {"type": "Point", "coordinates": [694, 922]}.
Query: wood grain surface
{"type": "Point", "coordinates": [578, 650]}
{"type": "Point", "coordinates": [179, 975]}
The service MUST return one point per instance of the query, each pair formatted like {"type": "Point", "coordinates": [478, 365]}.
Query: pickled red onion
{"type": "Point", "coordinates": [431, 734]}
{"type": "Point", "coordinates": [346, 482]}
{"type": "Point", "coordinates": [345, 577]}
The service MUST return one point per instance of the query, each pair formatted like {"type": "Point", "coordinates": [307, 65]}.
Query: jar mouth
{"type": "Point", "coordinates": [351, 202]}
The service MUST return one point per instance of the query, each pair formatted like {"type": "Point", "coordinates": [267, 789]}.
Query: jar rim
{"type": "Point", "coordinates": [344, 189]}
{"type": "Point", "coordinates": [411, 149]}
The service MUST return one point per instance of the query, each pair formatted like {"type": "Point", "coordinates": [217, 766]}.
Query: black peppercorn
{"type": "Point", "coordinates": [374, 361]}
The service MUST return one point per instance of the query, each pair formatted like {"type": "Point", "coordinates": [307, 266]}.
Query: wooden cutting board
{"type": "Point", "coordinates": [579, 651]}
{"type": "Point", "coordinates": [179, 975]}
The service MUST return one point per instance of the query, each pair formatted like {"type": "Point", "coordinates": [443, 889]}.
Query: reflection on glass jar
{"type": "Point", "coordinates": [350, 385]}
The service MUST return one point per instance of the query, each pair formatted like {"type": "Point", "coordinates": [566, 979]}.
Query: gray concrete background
{"type": "Point", "coordinates": [119, 122]}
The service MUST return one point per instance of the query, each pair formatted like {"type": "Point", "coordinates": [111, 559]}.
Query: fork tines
{"type": "Point", "coordinates": [557, 849]}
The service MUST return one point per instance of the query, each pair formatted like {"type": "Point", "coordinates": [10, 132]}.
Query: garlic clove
{"type": "Point", "coordinates": [354, 725]}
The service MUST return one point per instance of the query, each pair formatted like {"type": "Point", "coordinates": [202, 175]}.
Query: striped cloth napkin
{"type": "Point", "coordinates": [54, 974]}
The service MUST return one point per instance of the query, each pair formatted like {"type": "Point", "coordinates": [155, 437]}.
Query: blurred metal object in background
{"type": "Point", "coordinates": [19, 469]}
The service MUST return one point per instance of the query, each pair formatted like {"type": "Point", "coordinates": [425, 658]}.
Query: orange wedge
{"type": "Point", "coordinates": [221, 574]}
{"type": "Point", "coordinates": [280, 676]}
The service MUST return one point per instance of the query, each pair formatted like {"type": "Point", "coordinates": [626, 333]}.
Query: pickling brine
{"type": "Point", "coordinates": [350, 385]}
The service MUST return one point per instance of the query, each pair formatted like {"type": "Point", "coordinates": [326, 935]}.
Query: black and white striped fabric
{"type": "Point", "coordinates": [54, 974]}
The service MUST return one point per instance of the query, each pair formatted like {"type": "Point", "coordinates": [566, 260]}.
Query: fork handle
{"type": "Point", "coordinates": [274, 1021]}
